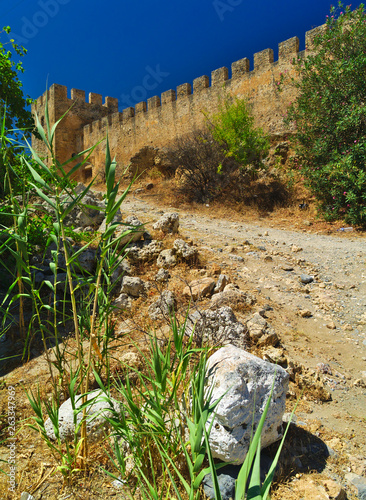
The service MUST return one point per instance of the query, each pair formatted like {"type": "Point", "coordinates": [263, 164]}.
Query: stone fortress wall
{"type": "Point", "coordinates": [177, 112]}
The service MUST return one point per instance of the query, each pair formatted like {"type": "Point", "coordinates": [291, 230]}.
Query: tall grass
{"type": "Point", "coordinates": [86, 300]}
{"type": "Point", "coordinates": [160, 439]}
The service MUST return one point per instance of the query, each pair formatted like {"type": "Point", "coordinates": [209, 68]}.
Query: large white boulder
{"type": "Point", "coordinates": [244, 382]}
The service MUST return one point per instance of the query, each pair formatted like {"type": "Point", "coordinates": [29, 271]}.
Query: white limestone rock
{"type": "Point", "coordinates": [134, 228]}
{"type": "Point", "coordinates": [163, 307]}
{"type": "Point", "coordinates": [244, 382]}
{"type": "Point", "coordinates": [217, 327]}
{"type": "Point", "coordinates": [166, 259]}
{"type": "Point", "coordinates": [168, 223]}
{"type": "Point", "coordinates": [184, 251]}
{"type": "Point", "coordinates": [132, 286]}
{"type": "Point", "coordinates": [97, 413]}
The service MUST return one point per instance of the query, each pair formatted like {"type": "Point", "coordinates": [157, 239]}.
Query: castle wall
{"type": "Point", "coordinates": [177, 112]}
{"type": "Point", "coordinates": [69, 134]}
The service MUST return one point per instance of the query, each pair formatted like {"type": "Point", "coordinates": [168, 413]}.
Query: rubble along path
{"type": "Point", "coordinates": [315, 284]}
{"type": "Point", "coordinates": [335, 265]}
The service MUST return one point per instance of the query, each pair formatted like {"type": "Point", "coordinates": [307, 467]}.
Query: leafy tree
{"type": "Point", "coordinates": [13, 116]}
{"type": "Point", "coordinates": [233, 128]}
{"type": "Point", "coordinates": [11, 92]}
{"type": "Point", "coordinates": [329, 116]}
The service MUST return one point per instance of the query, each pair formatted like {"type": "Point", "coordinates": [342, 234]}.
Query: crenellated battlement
{"type": "Point", "coordinates": [240, 69]}
{"type": "Point", "coordinates": [60, 93]}
{"type": "Point", "coordinates": [160, 119]}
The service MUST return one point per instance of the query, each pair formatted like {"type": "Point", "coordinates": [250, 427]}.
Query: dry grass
{"type": "Point", "coordinates": [165, 195]}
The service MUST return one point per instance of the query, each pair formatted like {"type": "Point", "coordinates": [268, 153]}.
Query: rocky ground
{"type": "Point", "coordinates": [312, 285]}
{"type": "Point", "coordinates": [307, 288]}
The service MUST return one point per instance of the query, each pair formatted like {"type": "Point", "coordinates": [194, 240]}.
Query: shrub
{"type": "Point", "coordinates": [201, 165]}
{"type": "Point", "coordinates": [233, 128]}
{"type": "Point", "coordinates": [329, 116]}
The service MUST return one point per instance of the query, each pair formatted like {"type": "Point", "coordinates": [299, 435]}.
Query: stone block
{"type": "Point", "coordinates": [263, 58]}
{"type": "Point", "coordinates": [168, 96]}
{"type": "Point", "coordinates": [201, 83]}
{"type": "Point", "coordinates": [240, 68]}
{"type": "Point", "coordinates": [153, 102]}
{"type": "Point", "coordinates": [288, 49]}
{"type": "Point", "coordinates": [95, 98]}
{"type": "Point", "coordinates": [243, 384]}
{"type": "Point", "coordinates": [140, 107]}
{"type": "Point", "coordinates": [184, 90]}
{"type": "Point", "coordinates": [219, 76]}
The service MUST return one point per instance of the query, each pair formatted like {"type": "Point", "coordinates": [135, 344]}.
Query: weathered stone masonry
{"type": "Point", "coordinates": [162, 119]}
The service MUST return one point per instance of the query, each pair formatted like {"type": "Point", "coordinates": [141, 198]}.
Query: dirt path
{"type": "Point", "coordinates": [323, 321]}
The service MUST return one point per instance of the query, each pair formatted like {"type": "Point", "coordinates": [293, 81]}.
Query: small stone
{"type": "Point", "coordinates": [230, 249]}
{"type": "Point", "coordinates": [199, 288]}
{"type": "Point", "coordinates": [164, 307]}
{"type": "Point", "coordinates": [359, 383]}
{"type": "Point", "coordinates": [274, 355]}
{"type": "Point", "coordinates": [123, 301]}
{"type": "Point", "coordinates": [269, 339]}
{"type": "Point", "coordinates": [287, 267]}
{"type": "Point", "coordinates": [132, 224]}
{"type": "Point", "coordinates": [324, 368]}
{"type": "Point", "coordinates": [162, 276]}
{"type": "Point", "coordinates": [26, 496]}
{"type": "Point", "coordinates": [97, 412]}
{"type": "Point", "coordinates": [331, 325]}
{"type": "Point", "coordinates": [132, 286]}
{"type": "Point", "coordinates": [266, 233]}
{"type": "Point", "coordinates": [222, 281]}
{"type": "Point", "coordinates": [118, 483]}
{"type": "Point", "coordinates": [239, 258]}
{"type": "Point", "coordinates": [215, 270]}
{"type": "Point", "coordinates": [295, 249]}
{"type": "Point", "coordinates": [334, 490]}
{"type": "Point", "coordinates": [268, 258]}
{"type": "Point", "coordinates": [226, 478]}
{"type": "Point", "coordinates": [184, 250]}
{"type": "Point", "coordinates": [305, 313]}
{"type": "Point", "coordinates": [305, 278]}
{"type": "Point", "coordinates": [169, 223]}
{"type": "Point", "coordinates": [167, 258]}
{"type": "Point", "coordinates": [348, 327]}
{"type": "Point", "coordinates": [359, 482]}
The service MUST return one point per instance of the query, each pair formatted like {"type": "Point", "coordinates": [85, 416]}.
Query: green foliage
{"type": "Point", "coordinates": [165, 424]}
{"type": "Point", "coordinates": [233, 127]}
{"type": "Point", "coordinates": [329, 116]}
{"type": "Point", "coordinates": [163, 421]}
{"type": "Point", "coordinates": [11, 93]}
{"type": "Point", "coordinates": [53, 302]}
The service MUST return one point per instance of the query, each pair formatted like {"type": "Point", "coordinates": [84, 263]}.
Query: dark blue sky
{"type": "Point", "coordinates": [134, 50]}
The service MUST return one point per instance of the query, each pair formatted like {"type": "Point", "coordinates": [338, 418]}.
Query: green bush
{"type": "Point", "coordinates": [233, 128]}
{"type": "Point", "coordinates": [329, 117]}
